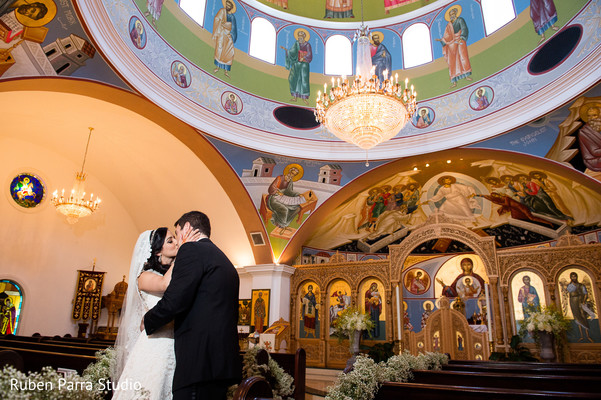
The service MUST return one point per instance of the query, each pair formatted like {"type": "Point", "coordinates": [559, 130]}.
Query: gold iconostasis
{"type": "Point", "coordinates": [487, 291]}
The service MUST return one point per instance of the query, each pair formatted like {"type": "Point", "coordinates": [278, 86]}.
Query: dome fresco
{"type": "Point", "coordinates": [499, 64]}
{"type": "Point", "coordinates": [372, 10]}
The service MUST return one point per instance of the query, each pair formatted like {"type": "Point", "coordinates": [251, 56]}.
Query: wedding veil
{"type": "Point", "coordinates": [133, 308]}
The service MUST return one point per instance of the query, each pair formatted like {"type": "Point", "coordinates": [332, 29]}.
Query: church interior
{"type": "Point", "coordinates": [486, 202]}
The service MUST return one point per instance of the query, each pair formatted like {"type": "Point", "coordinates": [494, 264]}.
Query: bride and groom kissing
{"type": "Point", "coordinates": [178, 333]}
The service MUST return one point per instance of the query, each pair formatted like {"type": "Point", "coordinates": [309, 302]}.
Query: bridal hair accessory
{"type": "Point", "coordinates": [152, 235]}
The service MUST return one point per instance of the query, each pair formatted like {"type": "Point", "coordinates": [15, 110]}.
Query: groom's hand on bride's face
{"type": "Point", "coordinates": [142, 325]}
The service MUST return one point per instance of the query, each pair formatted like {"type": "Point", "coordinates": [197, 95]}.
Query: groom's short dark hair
{"type": "Point", "coordinates": [197, 220]}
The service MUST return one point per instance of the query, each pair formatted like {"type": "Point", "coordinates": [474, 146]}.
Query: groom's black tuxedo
{"type": "Point", "coordinates": [202, 298]}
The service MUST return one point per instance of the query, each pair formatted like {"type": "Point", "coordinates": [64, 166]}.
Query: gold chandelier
{"type": "Point", "coordinates": [75, 206]}
{"type": "Point", "coordinates": [365, 111]}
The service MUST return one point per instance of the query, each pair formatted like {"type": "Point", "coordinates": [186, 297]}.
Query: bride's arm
{"type": "Point", "coordinates": [154, 283]}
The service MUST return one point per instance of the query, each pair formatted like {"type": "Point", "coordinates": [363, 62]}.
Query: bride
{"type": "Point", "coordinates": [145, 364]}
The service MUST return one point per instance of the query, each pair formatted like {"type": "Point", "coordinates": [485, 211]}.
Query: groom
{"type": "Point", "coordinates": [202, 298]}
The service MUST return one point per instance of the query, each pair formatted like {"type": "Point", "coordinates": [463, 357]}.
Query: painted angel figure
{"type": "Point", "coordinates": [576, 294]}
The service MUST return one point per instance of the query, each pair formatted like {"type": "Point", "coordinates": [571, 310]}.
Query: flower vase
{"type": "Point", "coordinates": [547, 346]}
{"type": "Point", "coordinates": [355, 341]}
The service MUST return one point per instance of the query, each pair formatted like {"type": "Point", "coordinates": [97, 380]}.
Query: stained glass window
{"type": "Point", "coordinates": [11, 300]}
{"type": "Point", "coordinates": [27, 190]}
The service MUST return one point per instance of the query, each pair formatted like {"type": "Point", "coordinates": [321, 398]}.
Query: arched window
{"type": "Point", "coordinates": [339, 56]}
{"type": "Point", "coordinates": [11, 300]}
{"type": "Point", "coordinates": [417, 47]}
{"type": "Point", "coordinates": [497, 13]}
{"type": "Point", "coordinates": [262, 40]}
{"type": "Point", "coordinates": [195, 9]}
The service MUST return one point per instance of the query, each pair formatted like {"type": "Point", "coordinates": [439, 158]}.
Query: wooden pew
{"type": "Point", "coordinates": [98, 343]}
{"type": "Point", "coordinates": [49, 347]}
{"type": "Point", "coordinates": [293, 364]}
{"type": "Point", "coordinates": [86, 345]}
{"type": "Point", "coordinates": [423, 391]}
{"type": "Point", "coordinates": [592, 370]}
{"type": "Point", "coordinates": [22, 338]}
{"type": "Point", "coordinates": [11, 358]}
{"type": "Point", "coordinates": [253, 388]}
{"type": "Point", "coordinates": [557, 383]}
{"type": "Point", "coordinates": [35, 360]}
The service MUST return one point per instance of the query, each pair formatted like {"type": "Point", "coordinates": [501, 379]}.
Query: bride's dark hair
{"type": "Point", "coordinates": [157, 239]}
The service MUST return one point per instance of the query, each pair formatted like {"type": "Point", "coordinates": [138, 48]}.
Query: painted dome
{"type": "Point", "coordinates": [478, 83]}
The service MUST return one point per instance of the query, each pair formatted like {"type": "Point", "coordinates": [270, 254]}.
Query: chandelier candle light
{"type": "Point", "coordinates": [76, 206]}
{"type": "Point", "coordinates": [365, 111]}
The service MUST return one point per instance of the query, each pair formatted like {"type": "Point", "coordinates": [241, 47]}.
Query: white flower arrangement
{"type": "Point", "coordinates": [351, 320]}
{"type": "Point", "coordinates": [363, 382]}
{"type": "Point", "coordinates": [548, 319]}
{"type": "Point", "coordinates": [49, 384]}
{"type": "Point", "coordinates": [93, 384]}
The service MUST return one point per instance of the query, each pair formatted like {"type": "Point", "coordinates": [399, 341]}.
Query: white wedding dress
{"type": "Point", "coordinates": [150, 364]}
{"type": "Point", "coordinates": [145, 364]}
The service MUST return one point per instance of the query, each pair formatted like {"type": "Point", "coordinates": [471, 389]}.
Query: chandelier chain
{"type": "Point", "coordinates": [86, 152]}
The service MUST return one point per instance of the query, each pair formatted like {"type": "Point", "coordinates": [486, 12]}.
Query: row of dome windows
{"type": "Point", "coordinates": [415, 40]}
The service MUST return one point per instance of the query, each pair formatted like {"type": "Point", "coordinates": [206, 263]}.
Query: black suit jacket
{"type": "Point", "coordinates": [202, 298]}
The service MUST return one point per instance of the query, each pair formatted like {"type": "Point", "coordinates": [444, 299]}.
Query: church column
{"type": "Point", "coordinates": [551, 287]}
{"type": "Point", "coordinates": [508, 313]}
{"type": "Point", "coordinates": [389, 314]}
{"type": "Point", "coordinates": [324, 317]}
{"type": "Point", "coordinates": [275, 277]}
{"type": "Point", "coordinates": [398, 313]}
{"type": "Point", "coordinates": [496, 305]}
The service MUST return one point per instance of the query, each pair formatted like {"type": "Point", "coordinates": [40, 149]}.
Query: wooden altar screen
{"type": "Point", "coordinates": [447, 331]}
{"type": "Point", "coordinates": [326, 351]}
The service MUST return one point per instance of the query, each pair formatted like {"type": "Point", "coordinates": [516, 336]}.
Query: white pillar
{"type": "Point", "coordinates": [275, 277]}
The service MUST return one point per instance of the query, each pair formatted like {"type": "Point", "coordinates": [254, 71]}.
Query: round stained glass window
{"type": "Point", "coordinates": [27, 190]}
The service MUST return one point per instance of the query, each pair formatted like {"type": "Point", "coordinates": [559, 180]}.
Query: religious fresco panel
{"type": "Point", "coordinates": [309, 325]}
{"type": "Point", "coordinates": [579, 304]}
{"type": "Point", "coordinates": [338, 300]}
{"type": "Point", "coordinates": [527, 290]}
{"type": "Point", "coordinates": [418, 291]}
{"type": "Point", "coordinates": [372, 301]}
{"type": "Point", "coordinates": [517, 204]}
{"type": "Point", "coordinates": [462, 279]}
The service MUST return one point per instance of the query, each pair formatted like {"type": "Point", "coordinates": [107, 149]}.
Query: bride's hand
{"type": "Point", "coordinates": [190, 235]}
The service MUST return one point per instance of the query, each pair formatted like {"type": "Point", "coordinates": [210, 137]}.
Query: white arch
{"type": "Point", "coordinates": [339, 56]}
{"type": "Point", "coordinates": [262, 40]}
{"type": "Point", "coordinates": [497, 13]}
{"type": "Point", "coordinates": [195, 9]}
{"type": "Point", "coordinates": [417, 46]}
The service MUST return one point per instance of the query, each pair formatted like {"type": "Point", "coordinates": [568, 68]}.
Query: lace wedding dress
{"type": "Point", "coordinates": [150, 366]}
{"type": "Point", "coordinates": [145, 364]}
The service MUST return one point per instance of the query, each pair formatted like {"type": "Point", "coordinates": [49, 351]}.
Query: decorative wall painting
{"type": "Point", "coordinates": [309, 319]}
{"type": "Point", "coordinates": [339, 299]}
{"type": "Point", "coordinates": [244, 312]}
{"type": "Point", "coordinates": [373, 302]}
{"type": "Point", "coordinates": [259, 319]}
{"type": "Point", "coordinates": [578, 303]}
